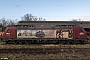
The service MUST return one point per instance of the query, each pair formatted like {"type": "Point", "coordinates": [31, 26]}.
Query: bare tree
{"type": "Point", "coordinates": [6, 22]}
{"type": "Point", "coordinates": [3, 22]}
{"type": "Point", "coordinates": [11, 22]}
{"type": "Point", "coordinates": [30, 17]}
{"type": "Point", "coordinates": [27, 17]}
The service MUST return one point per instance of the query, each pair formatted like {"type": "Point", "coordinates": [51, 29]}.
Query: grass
{"type": "Point", "coordinates": [45, 46]}
{"type": "Point", "coordinates": [24, 56]}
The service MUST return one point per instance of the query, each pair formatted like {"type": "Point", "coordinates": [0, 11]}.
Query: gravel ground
{"type": "Point", "coordinates": [59, 56]}
{"type": "Point", "coordinates": [45, 46]}
{"type": "Point", "coordinates": [46, 56]}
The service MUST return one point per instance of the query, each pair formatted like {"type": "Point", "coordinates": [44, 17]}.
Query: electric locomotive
{"type": "Point", "coordinates": [41, 32]}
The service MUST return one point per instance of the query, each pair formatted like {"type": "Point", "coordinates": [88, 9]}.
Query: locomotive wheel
{"type": "Point", "coordinates": [15, 42]}
{"type": "Point", "coordinates": [59, 42]}
{"type": "Point", "coordinates": [12, 42]}
{"type": "Point", "coordinates": [73, 42]}
{"type": "Point", "coordinates": [20, 42]}
{"type": "Point", "coordinates": [67, 42]}
{"type": "Point", "coordinates": [7, 42]}
{"type": "Point", "coordinates": [27, 42]}
{"type": "Point", "coordinates": [54, 42]}
{"type": "Point", "coordinates": [82, 41]}
{"type": "Point", "coordinates": [30, 42]}
{"type": "Point", "coordinates": [62, 42]}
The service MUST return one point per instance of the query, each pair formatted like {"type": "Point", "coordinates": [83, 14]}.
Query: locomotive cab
{"type": "Point", "coordinates": [79, 32]}
{"type": "Point", "coordinates": [9, 33]}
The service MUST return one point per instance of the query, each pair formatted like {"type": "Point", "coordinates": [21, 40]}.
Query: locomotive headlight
{"type": "Point", "coordinates": [81, 33]}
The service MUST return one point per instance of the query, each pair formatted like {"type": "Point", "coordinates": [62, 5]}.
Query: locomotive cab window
{"type": "Point", "coordinates": [8, 31]}
{"type": "Point", "coordinates": [80, 30]}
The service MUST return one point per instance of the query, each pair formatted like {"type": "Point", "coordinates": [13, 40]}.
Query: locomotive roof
{"type": "Point", "coordinates": [47, 24]}
{"type": "Point", "coordinates": [51, 21]}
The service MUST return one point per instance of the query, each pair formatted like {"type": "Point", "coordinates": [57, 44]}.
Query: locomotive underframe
{"type": "Point", "coordinates": [46, 40]}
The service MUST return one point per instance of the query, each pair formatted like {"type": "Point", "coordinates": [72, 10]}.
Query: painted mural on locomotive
{"type": "Point", "coordinates": [57, 33]}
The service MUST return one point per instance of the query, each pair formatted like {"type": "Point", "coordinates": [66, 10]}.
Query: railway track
{"type": "Point", "coordinates": [46, 50]}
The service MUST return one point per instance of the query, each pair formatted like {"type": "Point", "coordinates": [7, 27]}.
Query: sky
{"type": "Point", "coordinates": [51, 10]}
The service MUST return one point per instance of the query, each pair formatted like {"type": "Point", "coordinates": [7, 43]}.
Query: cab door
{"type": "Point", "coordinates": [75, 32]}
{"type": "Point", "coordinates": [8, 33]}
{"type": "Point", "coordinates": [81, 33]}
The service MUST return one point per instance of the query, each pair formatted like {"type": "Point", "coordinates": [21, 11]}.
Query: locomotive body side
{"type": "Point", "coordinates": [45, 34]}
